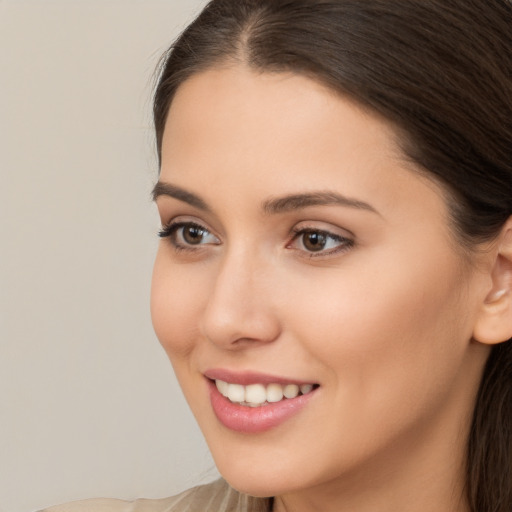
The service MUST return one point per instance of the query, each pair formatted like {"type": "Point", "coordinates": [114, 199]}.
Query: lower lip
{"type": "Point", "coordinates": [252, 420]}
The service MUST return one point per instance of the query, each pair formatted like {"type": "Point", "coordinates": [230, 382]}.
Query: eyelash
{"type": "Point", "coordinates": [344, 244]}
{"type": "Point", "coordinates": [169, 231]}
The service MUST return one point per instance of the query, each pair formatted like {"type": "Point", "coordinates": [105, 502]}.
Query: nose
{"type": "Point", "coordinates": [239, 311]}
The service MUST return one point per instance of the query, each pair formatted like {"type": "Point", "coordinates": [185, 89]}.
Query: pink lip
{"type": "Point", "coordinates": [252, 420]}
{"type": "Point", "coordinates": [246, 378]}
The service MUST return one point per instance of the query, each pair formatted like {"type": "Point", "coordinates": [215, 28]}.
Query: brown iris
{"type": "Point", "coordinates": [193, 235]}
{"type": "Point", "coordinates": [314, 240]}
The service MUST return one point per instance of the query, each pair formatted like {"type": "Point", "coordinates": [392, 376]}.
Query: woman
{"type": "Point", "coordinates": [334, 281]}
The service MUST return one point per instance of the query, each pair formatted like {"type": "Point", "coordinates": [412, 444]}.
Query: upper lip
{"type": "Point", "coordinates": [246, 378]}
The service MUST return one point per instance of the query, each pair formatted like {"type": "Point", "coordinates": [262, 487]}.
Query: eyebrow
{"type": "Point", "coordinates": [305, 200]}
{"type": "Point", "coordinates": [271, 206]}
{"type": "Point", "coordinates": [166, 189]}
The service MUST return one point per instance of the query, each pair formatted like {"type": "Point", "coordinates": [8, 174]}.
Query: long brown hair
{"type": "Point", "coordinates": [441, 72]}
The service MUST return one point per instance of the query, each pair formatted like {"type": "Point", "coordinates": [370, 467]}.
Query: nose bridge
{"type": "Point", "coordinates": [239, 306]}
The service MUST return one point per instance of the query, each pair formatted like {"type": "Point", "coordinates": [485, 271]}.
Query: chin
{"type": "Point", "coordinates": [269, 475]}
{"type": "Point", "coordinates": [258, 485]}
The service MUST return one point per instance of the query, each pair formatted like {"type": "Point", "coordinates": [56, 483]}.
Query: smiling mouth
{"type": "Point", "coordinates": [258, 395]}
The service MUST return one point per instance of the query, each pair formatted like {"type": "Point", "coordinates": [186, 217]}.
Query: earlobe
{"type": "Point", "coordinates": [494, 322]}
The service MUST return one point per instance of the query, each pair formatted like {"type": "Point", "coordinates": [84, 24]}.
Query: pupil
{"type": "Point", "coordinates": [314, 241]}
{"type": "Point", "coordinates": [193, 235]}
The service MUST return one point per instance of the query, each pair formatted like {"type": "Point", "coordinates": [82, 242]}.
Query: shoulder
{"type": "Point", "coordinates": [215, 497]}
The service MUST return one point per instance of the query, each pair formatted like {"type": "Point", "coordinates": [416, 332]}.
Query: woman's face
{"type": "Point", "coordinates": [301, 249]}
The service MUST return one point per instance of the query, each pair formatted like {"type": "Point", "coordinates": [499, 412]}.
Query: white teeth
{"type": "Point", "coordinates": [222, 387]}
{"type": "Point", "coordinates": [306, 388]}
{"type": "Point", "coordinates": [236, 392]}
{"type": "Point", "coordinates": [274, 393]}
{"type": "Point", "coordinates": [255, 395]}
{"type": "Point", "coordinates": [291, 390]}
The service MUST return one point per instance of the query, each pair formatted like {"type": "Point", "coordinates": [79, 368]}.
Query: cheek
{"type": "Point", "coordinates": [380, 332]}
{"type": "Point", "coordinates": [176, 302]}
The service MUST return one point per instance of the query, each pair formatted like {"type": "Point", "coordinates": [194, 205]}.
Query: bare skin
{"type": "Point", "coordinates": [380, 313]}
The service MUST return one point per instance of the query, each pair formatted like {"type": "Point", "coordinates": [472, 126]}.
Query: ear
{"type": "Point", "coordinates": [494, 322]}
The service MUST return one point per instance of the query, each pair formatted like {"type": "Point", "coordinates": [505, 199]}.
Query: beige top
{"type": "Point", "coordinates": [215, 497]}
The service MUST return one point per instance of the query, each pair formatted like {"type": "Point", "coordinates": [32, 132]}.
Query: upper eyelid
{"type": "Point", "coordinates": [169, 211]}
{"type": "Point", "coordinates": [302, 226]}
{"type": "Point", "coordinates": [183, 220]}
{"type": "Point", "coordinates": [308, 229]}
{"type": "Point", "coordinates": [330, 229]}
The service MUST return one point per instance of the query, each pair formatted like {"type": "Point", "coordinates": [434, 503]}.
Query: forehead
{"type": "Point", "coordinates": [269, 112]}
{"type": "Point", "coordinates": [232, 130]}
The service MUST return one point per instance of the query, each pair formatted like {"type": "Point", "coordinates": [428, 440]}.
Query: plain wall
{"type": "Point", "coordinates": [89, 406]}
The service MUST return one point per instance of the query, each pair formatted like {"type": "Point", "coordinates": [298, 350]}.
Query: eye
{"type": "Point", "coordinates": [186, 235]}
{"type": "Point", "coordinates": [319, 242]}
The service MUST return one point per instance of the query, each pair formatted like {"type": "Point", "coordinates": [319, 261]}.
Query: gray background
{"type": "Point", "coordinates": [88, 403]}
